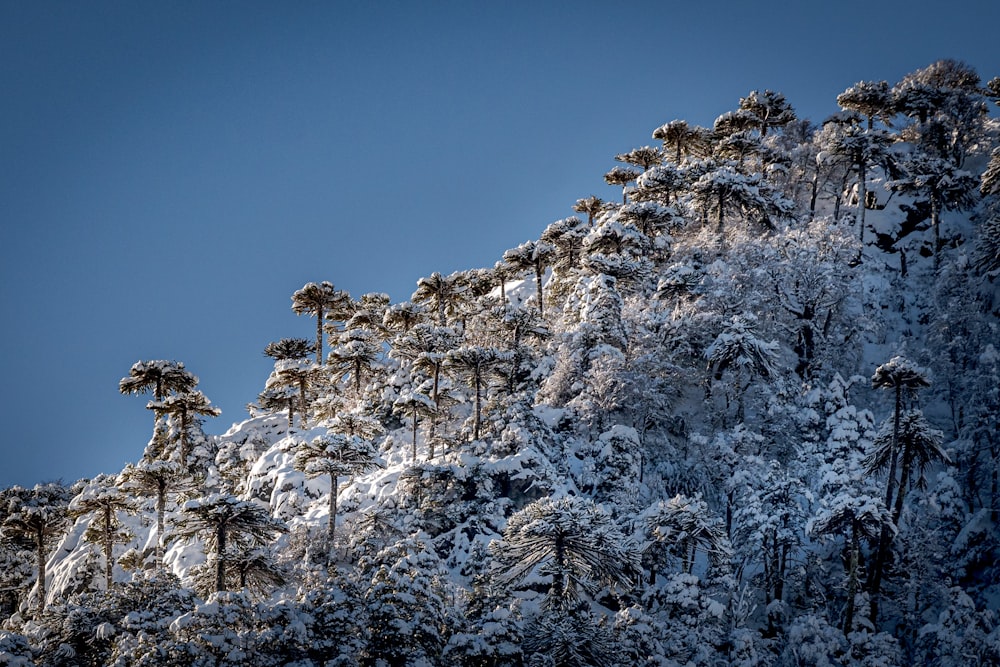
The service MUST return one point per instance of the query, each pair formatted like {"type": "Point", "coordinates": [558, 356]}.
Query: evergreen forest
{"type": "Point", "coordinates": [745, 410]}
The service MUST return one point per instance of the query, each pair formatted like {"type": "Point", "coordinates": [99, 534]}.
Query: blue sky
{"type": "Point", "coordinates": [170, 172]}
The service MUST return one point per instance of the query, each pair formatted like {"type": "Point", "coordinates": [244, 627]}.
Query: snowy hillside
{"type": "Point", "coordinates": [747, 415]}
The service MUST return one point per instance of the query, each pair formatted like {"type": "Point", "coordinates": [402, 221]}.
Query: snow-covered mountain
{"type": "Point", "coordinates": [748, 415]}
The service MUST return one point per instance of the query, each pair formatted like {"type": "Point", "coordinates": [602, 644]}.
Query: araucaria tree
{"type": "Point", "coordinates": [103, 500]}
{"type": "Point", "coordinates": [898, 374]}
{"type": "Point", "coordinates": [473, 364]}
{"type": "Point", "coordinates": [573, 540]}
{"type": "Point", "coordinates": [185, 407]}
{"type": "Point", "coordinates": [38, 516]}
{"type": "Point", "coordinates": [228, 526]}
{"type": "Point", "coordinates": [534, 256]}
{"type": "Point", "coordinates": [320, 301]}
{"type": "Point", "coordinates": [335, 455]}
{"type": "Point", "coordinates": [156, 478]}
{"type": "Point", "coordinates": [159, 376]}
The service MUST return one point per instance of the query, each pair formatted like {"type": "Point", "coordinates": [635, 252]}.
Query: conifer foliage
{"type": "Point", "coordinates": [744, 413]}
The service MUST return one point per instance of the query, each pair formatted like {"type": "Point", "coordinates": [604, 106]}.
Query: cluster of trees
{"type": "Point", "coordinates": [749, 414]}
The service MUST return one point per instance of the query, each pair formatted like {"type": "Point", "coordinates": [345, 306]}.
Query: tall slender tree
{"type": "Point", "coordinates": [39, 516]}
{"type": "Point", "coordinates": [335, 455]}
{"type": "Point", "coordinates": [185, 407]}
{"type": "Point", "coordinates": [103, 501]}
{"type": "Point", "coordinates": [319, 301]}
{"type": "Point", "coordinates": [898, 374]}
{"type": "Point", "coordinates": [157, 478]}
{"type": "Point", "coordinates": [534, 256]}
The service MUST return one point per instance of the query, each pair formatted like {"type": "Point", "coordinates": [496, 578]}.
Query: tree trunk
{"type": "Point", "coordinates": [538, 284]}
{"type": "Point", "coordinates": [220, 558]}
{"type": "Point", "coordinates": [108, 546]}
{"type": "Point", "coordinates": [437, 378]}
{"type": "Point", "coordinates": [862, 196]}
{"type": "Point", "coordinates": [852, 580]}
{"type": "Point", "coordinates": [303, 401]}
{"type": "Point", "coordinates": [183, 437]}
{"type": "Point", "coordinates": [414, 456]}
{"type": "Point", "coordinates": [813, 194]}
{"type": "Point", "coordinates": [40, 564]}
{"type": "Point", "coordinates": [161, 510]}
{"type": "Point", "coordinates": [904, 480]}
{"type": "Point", "coordinates": [722, 201]}
{"type": "Point", "coordinates": [319, 335]}
{"type": "Point", "coordinates": [477, 380]}
{"type": "Point", "coordinates": [331, 526]}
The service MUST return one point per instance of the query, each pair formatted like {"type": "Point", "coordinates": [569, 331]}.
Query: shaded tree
{"type": "Point", "coordinates": [39, 516]}
{"type": "Point", "coordinates": [573, 540]}
{"type": "Point", "coordinates": [228, 526]}
{"type": "Point", "coordinates": [104, 500]}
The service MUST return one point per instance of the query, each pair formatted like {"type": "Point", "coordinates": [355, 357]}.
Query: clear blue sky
{"type": "Point", "coordinates": [170, 172]}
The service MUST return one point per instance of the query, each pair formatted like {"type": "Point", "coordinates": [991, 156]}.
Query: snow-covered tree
{"type": "Point", "coordinates": [571, 539]}
{"type": "Point", "coordinates": [321, 300]}
{"type": "Point", "coordinates": [227, 525]}
{"type": "Point", "coordinates": [335, 455]}
{"type": "Point", "coordinates": [103, 500]}
{"type": "Point", "coordinates": [186, 408]}
{"type": "Point", "coordinates": [38, 516]}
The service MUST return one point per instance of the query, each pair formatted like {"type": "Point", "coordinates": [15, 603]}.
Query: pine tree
{"type": "Point", "coordinates": [321, 301]}
{"type": "Point", "coordinates": [335, 455]}
{"type": "Point", "coordinates": [37, 515]}
{"type": "Point", "coordinates": [102, 499]}
{"type": "Point", "coordinates": [573, 540]}
{"type": "Point", "coordinates": [185, 406]}
{"type": "Point", "coordinates": [473, 365]}
{"type": "Point", "coordinates": [228, 526]}
{"type": "Point", "coordinates": [157, 478]}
